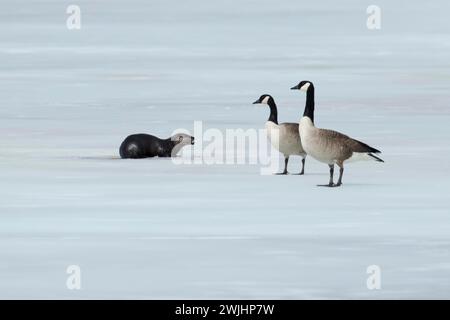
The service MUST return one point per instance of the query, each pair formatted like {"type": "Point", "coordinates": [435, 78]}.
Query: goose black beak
{"type": "Point", "coordinates": [192, 140]}
{"type": "Point", "coordinates": [256, 102]}
{"type": "Point", "coordinates": [295, 88]}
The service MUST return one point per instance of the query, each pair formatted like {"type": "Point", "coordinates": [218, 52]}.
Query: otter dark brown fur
{"type": "Point", "coordinates": [142, 145]}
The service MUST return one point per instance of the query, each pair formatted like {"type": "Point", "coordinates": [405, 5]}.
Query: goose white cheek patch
{"type": "Point", "coordinates": [265, 100]}
{"type": "Point", "coordinates": [305, 86]}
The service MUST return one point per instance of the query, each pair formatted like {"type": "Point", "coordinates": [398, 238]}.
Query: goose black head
{"type": "Point", "coordinates": [264, 99]}
{"type": "Point", "coordinates": [303, 86]}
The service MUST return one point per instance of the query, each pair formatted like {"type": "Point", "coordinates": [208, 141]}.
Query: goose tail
{"type": "Point", "coordinates": [362, 151]}
{"type": "Point", "coordinates": [375, 157]}
{"type": "Point", "coordinates": [363, 147]}
{"type": "Point", "coordinates": [364, 156]}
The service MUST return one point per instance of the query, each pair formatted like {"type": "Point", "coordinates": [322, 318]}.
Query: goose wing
{"type": "Point", "coordinates": [344, 140]}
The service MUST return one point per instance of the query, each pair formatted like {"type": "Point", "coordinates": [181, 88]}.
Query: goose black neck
{"type": "Point", "coordinates": [309, 105]}
{"type": "Point", "coordinates": [273, 112]}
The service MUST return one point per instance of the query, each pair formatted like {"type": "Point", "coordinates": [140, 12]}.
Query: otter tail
{"type": "Point", "coordinates": [129, 151]}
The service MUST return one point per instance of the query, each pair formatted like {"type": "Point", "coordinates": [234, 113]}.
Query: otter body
{"type": "Point", "coordinates": [138, 146]}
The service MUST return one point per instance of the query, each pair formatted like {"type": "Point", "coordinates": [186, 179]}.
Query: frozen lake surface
{"type": "Point", "coordinates": [153, 229]}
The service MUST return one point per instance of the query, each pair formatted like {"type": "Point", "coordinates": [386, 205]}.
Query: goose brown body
{"type": "Point", "coordinates": [284, 137]}
{"type": "Point", "coordinates": [332, 147]}
{"type": "Point", "coordinates": [329, 146]}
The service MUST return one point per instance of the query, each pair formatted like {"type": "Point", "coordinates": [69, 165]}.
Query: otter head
{"type": "Point", "coordinates": [182, 139]}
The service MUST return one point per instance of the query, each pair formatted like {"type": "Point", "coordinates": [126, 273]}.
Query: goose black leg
{"type": "Point", "coordinates": [331, 175]}
{"type": "Point", "coordinates": [286, 159]}
{"type": "Point", "coordinates": [330, 184]}
{"type": "Point", "coordinates": [303, 167]}
{"type": "Point", "coordinates": [341, 173]}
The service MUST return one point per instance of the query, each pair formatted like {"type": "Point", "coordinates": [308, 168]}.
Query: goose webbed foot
{"type": "Point", "coordinates": [330, 185]}
{"type": "Point", "coordinates": [281, 173]}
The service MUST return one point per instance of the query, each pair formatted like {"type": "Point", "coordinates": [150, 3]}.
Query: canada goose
{"type": "Point", "coordinates": [329, 146]}
{"type": "Point", "coordinates": [284, 137]}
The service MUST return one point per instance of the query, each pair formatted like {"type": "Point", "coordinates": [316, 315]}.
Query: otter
{"type": "Point", "coordinates": [138, 146]}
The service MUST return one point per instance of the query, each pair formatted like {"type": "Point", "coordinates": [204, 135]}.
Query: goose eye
{"type": "Point", "coordinates": [180, 138]}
